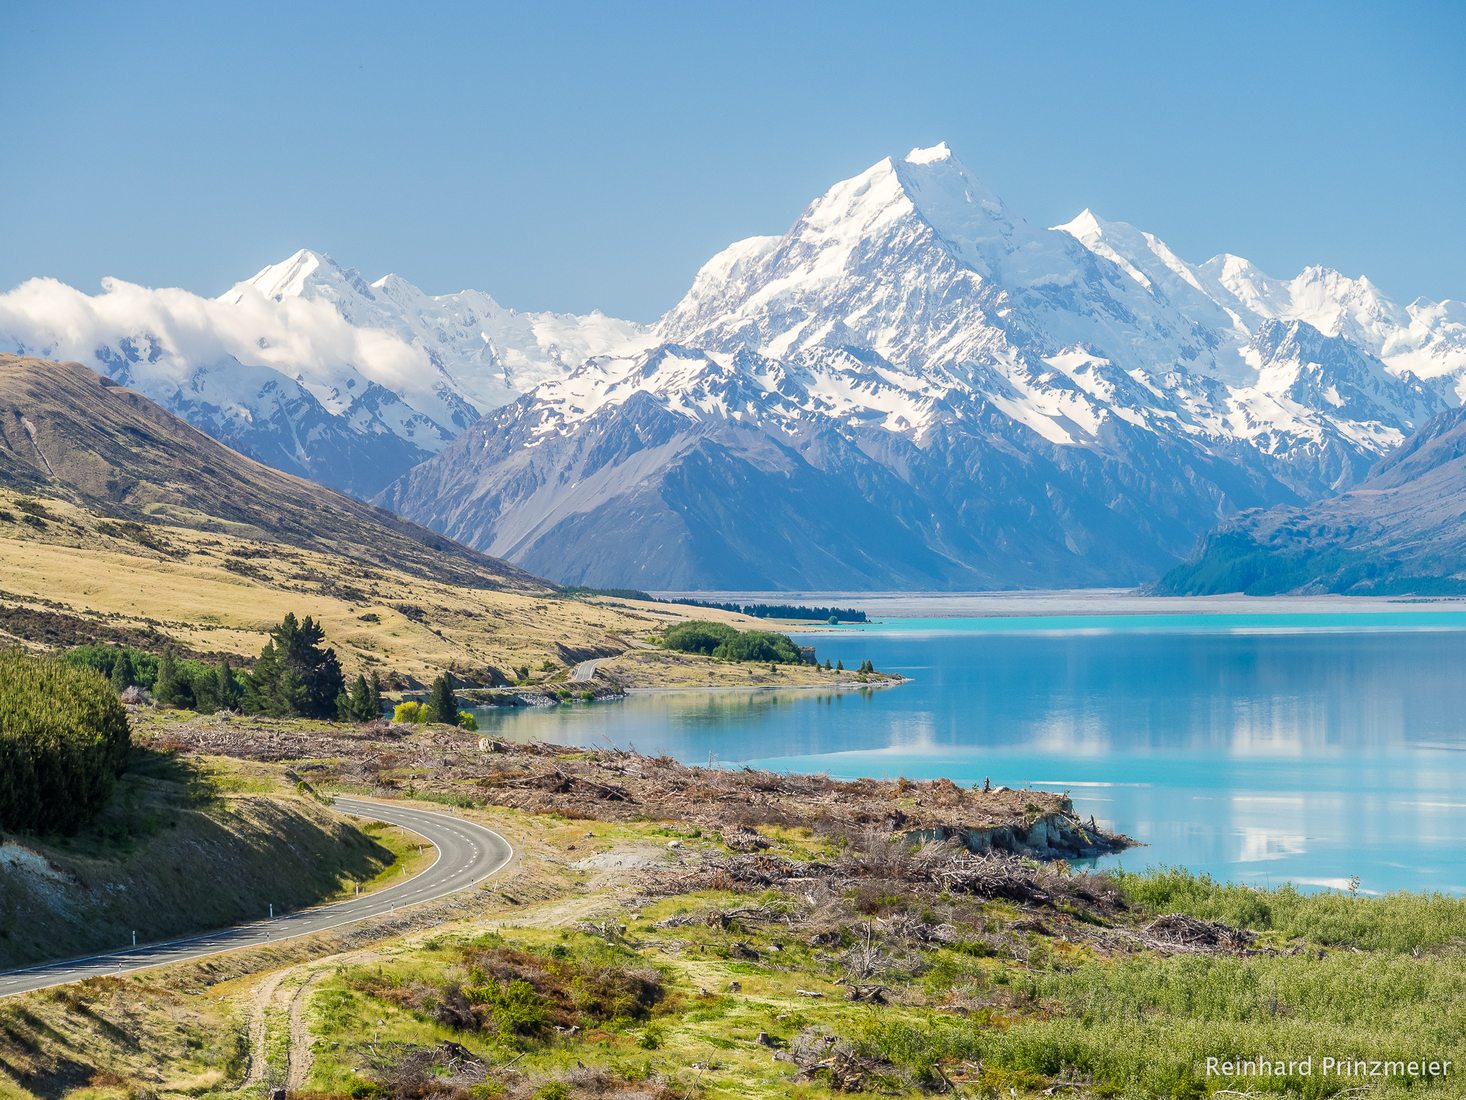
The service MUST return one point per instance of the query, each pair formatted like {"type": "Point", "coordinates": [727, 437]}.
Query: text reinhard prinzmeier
{"type": "Point", "coordinates": [1328, 1066]}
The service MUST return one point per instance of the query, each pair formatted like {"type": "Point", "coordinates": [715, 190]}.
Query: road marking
{"type": "Point", "coordinates": [303, 922]}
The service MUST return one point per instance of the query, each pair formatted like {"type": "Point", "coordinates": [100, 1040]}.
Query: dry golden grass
{"type": "Point", "coordinates": [218, 593]}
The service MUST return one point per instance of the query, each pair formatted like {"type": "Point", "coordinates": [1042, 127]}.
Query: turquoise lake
{"type": "Point", "coordinates": [1307, 747]}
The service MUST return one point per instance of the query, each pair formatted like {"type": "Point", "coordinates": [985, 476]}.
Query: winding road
{"type": "Point", "coordinates": [585, 671]}
{"type": "Point", "coordinates": [467, 854]}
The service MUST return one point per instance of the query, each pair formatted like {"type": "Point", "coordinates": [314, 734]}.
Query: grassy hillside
{"type": "Point", "coordinates": [65, 431]}
{"type": "Point", "coordinates": [68, 575]}
{"type": "Point", "coordinates": [169, 825]}
{"type": "Point", "coordinates": [119, 523]}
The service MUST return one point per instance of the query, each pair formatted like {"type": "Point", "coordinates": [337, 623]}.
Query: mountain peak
{"type": "Point", "coordinates": [298, 273]}
{"type": "Point", "coordinates": [1084, 226]}
{"type": "Point", "coordinates": [930, 182]}
{"type": "Point", "coordinates": [938, 152]}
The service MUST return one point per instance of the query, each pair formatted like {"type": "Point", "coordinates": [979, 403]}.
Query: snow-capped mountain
{"type": "Point", "coordinates": [307, 366]}
{"type": "Point", "coordinates": [480, 354]}
{"type": "Point", "coordinates": [1425, 338]}
{"type": "Point", "coordinates": [913, 386]}
{"type": "Point", "coordinates": [684, 468]}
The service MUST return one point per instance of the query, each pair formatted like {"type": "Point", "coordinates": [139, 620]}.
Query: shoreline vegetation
{"type": "Point", "coordinates": [682, 933]}
{"type": "Point", "coordinates": [750, 608]}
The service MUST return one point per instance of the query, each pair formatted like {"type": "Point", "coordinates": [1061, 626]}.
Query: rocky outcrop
{"type": "Point", "coordinates": [1048, 836]}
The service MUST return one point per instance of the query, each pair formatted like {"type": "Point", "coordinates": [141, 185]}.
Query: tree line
{"type": "Point", "coordinates": [830, 615]}
{"type": "Point", "coordinates": [754, 610]}
{"type": "Point", "coordinates": [296, 676]}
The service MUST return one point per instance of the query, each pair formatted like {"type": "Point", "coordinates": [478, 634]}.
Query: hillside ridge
{"type": "Point", "coordinates": [67, 431]}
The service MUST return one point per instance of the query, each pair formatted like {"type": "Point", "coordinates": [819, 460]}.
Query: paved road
{"type": "Point", "coordinates": [467, 854]}
{"type": "Point", "coordinates": [584, 671]}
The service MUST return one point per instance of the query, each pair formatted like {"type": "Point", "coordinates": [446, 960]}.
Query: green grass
{"type": "Point", "coordinates": [1145, 1026]}
{"type": "Point", "coordinates": [1394, 923]}
{"type": "Point", "coordinates": [1340, 976]}
{"type": "Point", "coordinates": [996, 1007]}
{"type": "Point", "coordinates": [1349, 977]}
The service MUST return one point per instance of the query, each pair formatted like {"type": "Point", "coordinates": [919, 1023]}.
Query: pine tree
{"type": "Point", "coordinates": [840, 665]}
{"type": "Point", "coordinates": [356, 705]}
{"type": "Point", "coordinates": [296, 676]}
{"type": "Point", "coordinates": [205, 690]}
{"type": "Point", "coordinates": [123, 674]}
{"type": "Point", "coordinates": [172, 689]}
{"type": "Point", "coordinates": [828, 666]}
{"type": "Point", "coordinates": [261, 690]}
{"type": "Point", "coordinates": [227, 687]}
{"type": "Point", "coordinates": [442, 702]}
{"type": "Point", "coordinates": [374, 696]}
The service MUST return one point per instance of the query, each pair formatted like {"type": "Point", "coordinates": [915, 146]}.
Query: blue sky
{"type": "Point", "coordinates": [571, 156]}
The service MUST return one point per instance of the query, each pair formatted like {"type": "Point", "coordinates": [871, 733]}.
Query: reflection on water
{"type": "Point", "coordinates": [1264, 752]}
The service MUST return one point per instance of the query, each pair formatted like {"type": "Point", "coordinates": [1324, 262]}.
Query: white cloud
{"type": "Point", "coordinates": [299, 338]}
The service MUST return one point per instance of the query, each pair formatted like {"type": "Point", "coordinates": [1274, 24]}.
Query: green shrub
{"type": "Point", "coordinates": [191, 685]}
{"type": "Point", "coordinates": [409, 712]}
{"type": "Point", "coordinates": [139, 667]}
{"type": "Point", "coordinates": [728, 644]}
{"type": "Point", "coordinates": [517, 1009]}
{"type": "Point", "coordinates": [759, 645]}
{"type": "Point", "coordinates": [697, 637]}
{"type": "Point", "coordinates": [64, 739]}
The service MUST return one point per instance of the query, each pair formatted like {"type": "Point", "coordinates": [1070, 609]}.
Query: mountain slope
{"type": "Point", "coordinates": [65, 431]}
{"type": "Point", "coordinates": [1401, 530]}
{"type": "Point", "coordinates": [710, 471]}
{"type": "Point", "coordinates": [912, 387]}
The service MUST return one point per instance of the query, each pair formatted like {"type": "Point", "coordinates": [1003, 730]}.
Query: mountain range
{"type": "Point", "coordinates": [910, 387]}
{"type": "Point", "coordinates": [308, 367]}
{"type": "Point", "coordinates": [913, 387]}
{"type": "Point", "coordinates": [1401, 530]}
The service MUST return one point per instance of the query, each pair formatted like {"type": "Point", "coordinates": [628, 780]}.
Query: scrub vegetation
{"type": "Point", "coordinates": [64, 740]}
{"type": "Point", "coordinates": [663, 936]}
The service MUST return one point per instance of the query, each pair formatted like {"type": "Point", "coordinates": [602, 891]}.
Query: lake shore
{"type": "Point", "coordinates": [1261, 748]}
{"type": "Point", "coordinates": [1084, 601]}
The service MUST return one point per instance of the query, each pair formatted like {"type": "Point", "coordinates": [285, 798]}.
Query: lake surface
{"type": "Point", "coordinates": [1309, 745]}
